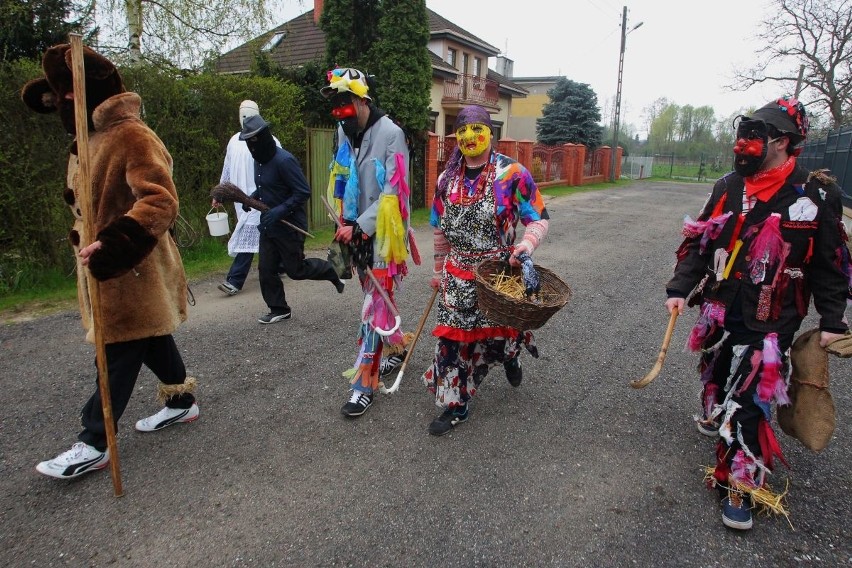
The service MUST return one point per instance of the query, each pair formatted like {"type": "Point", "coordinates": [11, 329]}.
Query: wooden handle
{"type": "Point", "coordinates": [652, 374]}
{"type": "Point", "coordinates": [84, 190]}
{"type": "Point", "coordinates": [393, 388]}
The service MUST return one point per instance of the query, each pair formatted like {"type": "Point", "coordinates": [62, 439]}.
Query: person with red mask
{"type": "Point", "coordinates": [282, 186]}
{"type": "Point", "coordinates": [480, 197]}
{"type": "Point", "coordinates": [141, 282]}
{"type": "Point", "coordinates": [769, 238]}
{"type": "Point", "coordinates": [371, 195]}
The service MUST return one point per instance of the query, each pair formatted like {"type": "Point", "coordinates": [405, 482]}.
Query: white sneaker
{"type": "Point", "coordinates": [166, 417]}
{"type": "Point", "coordinates": [81, 458]}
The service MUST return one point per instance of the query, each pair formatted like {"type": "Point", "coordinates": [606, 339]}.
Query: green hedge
{"type": "Point", "coordinates": [194, 116]}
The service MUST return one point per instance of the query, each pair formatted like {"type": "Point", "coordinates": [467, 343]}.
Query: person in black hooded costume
{"type": "Point", "coordinates": [282, 186]}
{"type": "Point", "coordinates": [769, 238]}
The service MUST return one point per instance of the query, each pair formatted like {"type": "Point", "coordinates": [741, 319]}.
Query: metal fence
{"type": "Point", "coordinates": [835, 153]}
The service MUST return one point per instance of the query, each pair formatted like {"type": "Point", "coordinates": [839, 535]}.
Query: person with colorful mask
{"type": "Point", "coordinates": [369, 189]}
{"type": "Point", "coordinates": [480, 197]}
{"type": "Point", "coordinates": [281, 185]}
{"type": "Point", "coordinates": [132, 254]}
{"type": "Point", "coordinates": [238, 169]}
{"type": "Point", "coordinates": [769, 238]}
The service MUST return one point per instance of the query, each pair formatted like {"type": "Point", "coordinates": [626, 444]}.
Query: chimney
{"type": "Point", "coordinates": [504, 66]}
{"type": "Point", "coordinates": [317, 11]}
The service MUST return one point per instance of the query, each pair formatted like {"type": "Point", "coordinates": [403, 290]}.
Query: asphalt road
{"type": "Point", "coordinates": [574, 468]}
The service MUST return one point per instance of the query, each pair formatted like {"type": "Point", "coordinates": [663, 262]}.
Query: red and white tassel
{"type": "Point", "coordinates": [712, 317]}
{"type": "Point", "coordinates": [772, 386]}
{"type": "Point", "coordinates": [768, 244]}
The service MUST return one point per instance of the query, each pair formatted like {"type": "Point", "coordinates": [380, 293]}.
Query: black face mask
{"type": "Point", "coordinates": [262, 146]}
{"type": "Point", "coordinates": [350, 126]}
{"type": "Point", "coordinates": [751, 146]}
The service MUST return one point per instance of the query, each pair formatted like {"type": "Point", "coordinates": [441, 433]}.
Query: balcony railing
{"type": "Point", "coordinates": [467, 89]}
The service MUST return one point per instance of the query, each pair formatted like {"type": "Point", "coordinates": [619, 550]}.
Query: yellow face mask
{"type": "Point", "coordinates": [473, 139]}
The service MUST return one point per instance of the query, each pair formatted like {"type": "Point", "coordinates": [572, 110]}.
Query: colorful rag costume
{"type": "Point", "coordinates": [477, 215]}
{"type": "Point", "coordinates": [369, 187]}
{"type": "Point", "coordinates": [754, 264]}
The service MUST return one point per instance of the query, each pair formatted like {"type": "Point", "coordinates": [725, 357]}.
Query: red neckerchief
{"type": "Point", "coordinates": [764, 184]}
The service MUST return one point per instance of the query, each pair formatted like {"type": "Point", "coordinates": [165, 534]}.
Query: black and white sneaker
{"type": "Point", "coordinates": [449, 420]}
{"type": "Point", "coordinates": [166, 417]}
{"type": "Point", "coordinates": [358, 404]}
{"type": "Point", "coordinates": [80, 459]}
{"type": "Point", "coordinates": [275, 317]}
{"type": "Point", "coordinates": [389, 364]}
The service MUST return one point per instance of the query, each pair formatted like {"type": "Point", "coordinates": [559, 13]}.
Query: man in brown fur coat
{"type": "Point", "coordinates": [142, 285]}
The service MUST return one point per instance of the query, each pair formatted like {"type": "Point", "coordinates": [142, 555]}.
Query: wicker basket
{"type": "Point", "coordinates": [522, 314]}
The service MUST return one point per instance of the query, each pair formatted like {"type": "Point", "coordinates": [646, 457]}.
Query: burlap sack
{"type": "Point", "coordinates": [810, 416]}
{"type": "Point", "coordinates": [841, 347]}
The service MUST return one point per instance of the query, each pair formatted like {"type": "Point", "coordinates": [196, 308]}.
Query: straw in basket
{"type": "Point", "coordinates": [519, 313]}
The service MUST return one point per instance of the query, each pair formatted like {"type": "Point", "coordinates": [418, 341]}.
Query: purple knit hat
{"type": "Point", "coordinates": [473, 114]}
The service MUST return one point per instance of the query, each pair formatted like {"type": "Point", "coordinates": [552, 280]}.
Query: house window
{"type": "Point", "coordinates": [477, 66]}
{"type": "Point", "coordinates": [273, 41]}
{"type": "Point", "coordinates": [452, 56]}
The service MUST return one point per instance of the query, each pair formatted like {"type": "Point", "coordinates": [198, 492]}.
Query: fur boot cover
{"type": "Point", "coordinates": [165, 392]}
{"type": "Point", "coordinates": [810, 415]}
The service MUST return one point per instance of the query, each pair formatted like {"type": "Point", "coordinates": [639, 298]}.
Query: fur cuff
{"type": "Point", "coordinates": [165, 392]}
{"type": "Point", "coordinates": [125, 243]}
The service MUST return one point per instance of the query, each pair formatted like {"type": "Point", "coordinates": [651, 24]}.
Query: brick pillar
{"type": "Point", "coordinates": [606, 161]}
{"type": "Point", "coordinates": [525, 153]}
{"type": "Point", "coordinates": [568, 163]}
{"type": "Point", "coordinates": [431, 168]}
{"type": "Point", "coordinates": [618, 155]}
{"type": "Point", "coordinates": [508, 147]}
{"type": "Point", "coordinates": [580, 160]}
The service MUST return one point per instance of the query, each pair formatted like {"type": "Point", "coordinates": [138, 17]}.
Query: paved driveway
{"type": "Point", "coordinates": [574, 468]}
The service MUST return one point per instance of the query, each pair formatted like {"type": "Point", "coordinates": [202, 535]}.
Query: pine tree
{"type": "Point", "coordinates": [403, 66]}
{"type": "Point", "coordinates": [571, 116]}
{"type": "Point", "coordinates": [404, 77]}
{"type": "Point", "coordinates": [31, 26]}
{"type": "Point", "coordinates": [351, 28]}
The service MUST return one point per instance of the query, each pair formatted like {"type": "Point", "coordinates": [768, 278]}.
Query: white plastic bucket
{"type": "Point", "coordinates": [217, 222]}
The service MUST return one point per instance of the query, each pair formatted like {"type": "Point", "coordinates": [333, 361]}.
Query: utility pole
{"type": "Point", "coordinates": [617, 118]}
{"type": "Point", "coordinates": [617, 121]}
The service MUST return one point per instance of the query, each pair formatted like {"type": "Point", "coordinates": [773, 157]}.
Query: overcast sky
{"type": "Point", "coordinates": [684, 50]}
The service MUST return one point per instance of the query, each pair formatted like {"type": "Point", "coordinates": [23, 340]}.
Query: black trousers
{"type": "Point", "coordinates": [287, 252]}
{"type": "Point", "coordinates": [124, 361]}
{"type": "Point", "coordinates": [745, 420]}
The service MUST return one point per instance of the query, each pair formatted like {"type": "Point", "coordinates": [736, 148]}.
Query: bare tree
{"type": "Point", "coordinates": [183, 33]}
{"type": "Point", "coordinates": [815, 35]}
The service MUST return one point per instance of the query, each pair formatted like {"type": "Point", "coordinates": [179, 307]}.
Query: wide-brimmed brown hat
{"type": "Point", "coordinates": [44, 94]}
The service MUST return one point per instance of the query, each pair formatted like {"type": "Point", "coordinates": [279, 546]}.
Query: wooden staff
{"type": "Point", "coordinates": [84, 188]}
{"type": "Point", "coordinates": [393, 388]}
{"type": "Point", "coordinates": [652, 374]}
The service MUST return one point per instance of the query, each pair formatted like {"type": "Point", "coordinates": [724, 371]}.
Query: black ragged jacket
{"type": "Point", "coordinates": [817, 265]}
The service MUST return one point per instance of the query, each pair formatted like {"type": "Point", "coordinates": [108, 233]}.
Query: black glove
{"type": "Point", "coordinates": [270, 218]}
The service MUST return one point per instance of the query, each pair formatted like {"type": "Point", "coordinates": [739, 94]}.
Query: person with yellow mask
{"type": "Point", "coordinates": [480, 197]}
